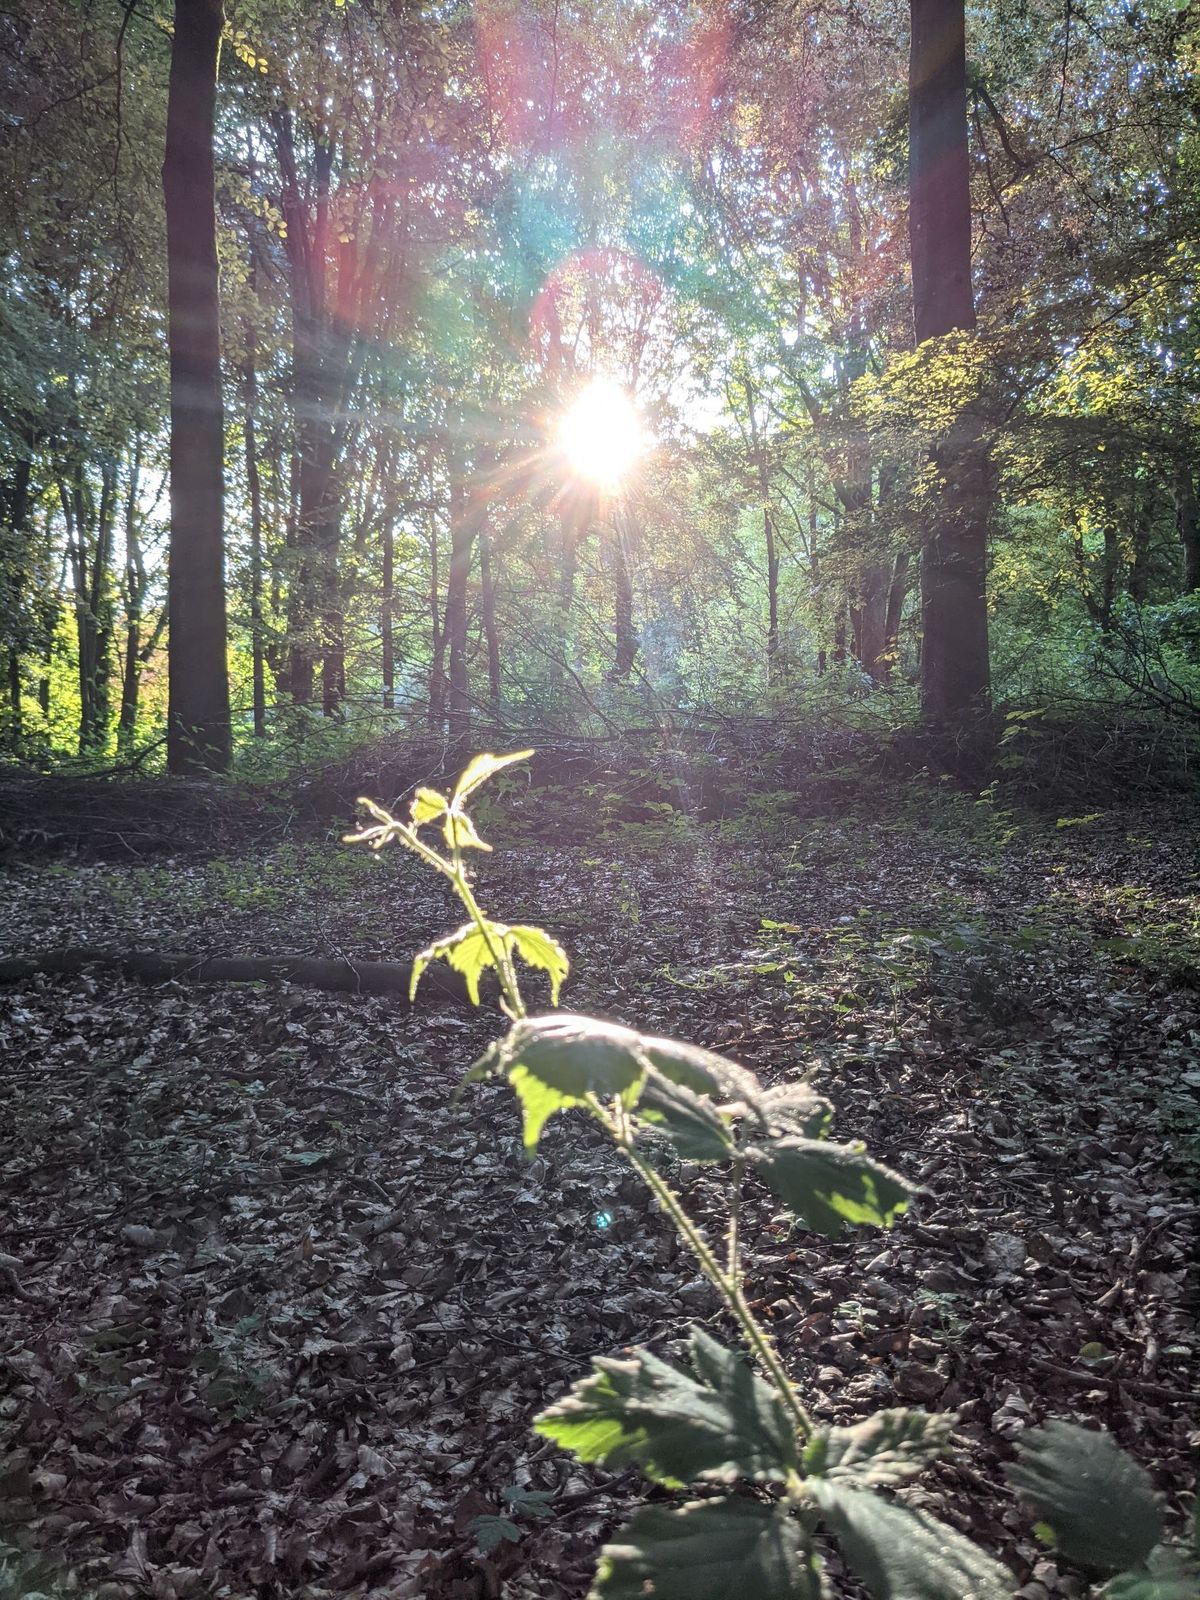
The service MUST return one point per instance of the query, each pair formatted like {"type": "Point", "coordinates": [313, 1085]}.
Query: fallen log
{"type": "Point", "coordinates": [340, 974]}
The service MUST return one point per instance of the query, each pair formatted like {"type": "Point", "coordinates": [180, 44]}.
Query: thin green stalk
{"type": "Point", "coordinates": [457, 874]}
{"type": "Point", "coordinates": [499, 954]}
{"type": "Point", "coordinates": [733, 1265]}
{"type": "Point", "coordinates": [727, 1285]}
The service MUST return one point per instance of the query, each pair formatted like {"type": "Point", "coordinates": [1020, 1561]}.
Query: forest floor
{"type": "Point", "coordinates": [275, 1315]}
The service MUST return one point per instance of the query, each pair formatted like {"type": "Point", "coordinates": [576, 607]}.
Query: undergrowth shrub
{"type": "Point", "coordinates": [759, 1482]}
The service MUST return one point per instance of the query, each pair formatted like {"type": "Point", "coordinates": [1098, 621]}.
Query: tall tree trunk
{"type": "Point", "coordinates": [625, 639]}
{"type": "Point", "coordinates": [258, 674]}
{"type": "Point", "coordinates": [437, 634]}
{"type": "Point", "coordinates": [954, 655]}
{"type": "Point", "coordinates": [320, 357]}
{"type": "Point", "coordinates": [487, 608]}
{"type": "Point", "coordinates": [135, 595]}
{"type": "Point", "coordinates": [1187, 521]}
{"type": "Point", "coordinates": [572, 523]}
{"type": "Point", "coordinates": [386, 610]}
{"type": "Point", "coordinates": [15, 499]}
{"type": "Point", "coordinates": [198, 730]}
{"type": "Point", "coordinates": [468, 508]}
{"type": "Point", "coordinates": [897, 589]}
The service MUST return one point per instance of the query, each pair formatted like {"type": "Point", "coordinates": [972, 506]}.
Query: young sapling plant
{"type": "Point", "coordinates": [773, 1480]}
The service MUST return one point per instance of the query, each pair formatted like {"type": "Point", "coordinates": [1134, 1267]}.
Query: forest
{"type": "Point", "coordinates": [599, 906]}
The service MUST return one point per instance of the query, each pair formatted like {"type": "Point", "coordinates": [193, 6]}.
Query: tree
{"type": "Point", "coordinates": [198, 729]}
{"type": "Point", "coordinates": [954, 651]}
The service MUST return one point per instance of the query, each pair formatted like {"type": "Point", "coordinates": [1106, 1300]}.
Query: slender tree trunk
{"type": "Point", "coordinates": [198, 730]}
{"type": "Point", "coordinates": [258, 674]}
{"type": "Point", "coordinates": [14, 698]}
{"type": "Point", "coordinates": [487, 607]}
{"type": "Point", "coordinates": [572, 521]}
{"type": "Point", "coordinates": [467, 512]}
{"type": "Point", "coordinates": [437, 634]}
{"type": "Point", "coordinates": [625, 639]}
{"type": "Point", "coordinates": [897, 589]}
{"type": "Point", "coordinates": [762, 474]}
{"type": "Point", "coordinates": [135, 594]}
{"type": "Point", "coordinates": [1187, 521]}
{"type": "Point", "coordinates": [16, 502]}
{"type": "Point", "coordinates": [386, 612]}
{"type": "Point", "coordinates": [954, 656]}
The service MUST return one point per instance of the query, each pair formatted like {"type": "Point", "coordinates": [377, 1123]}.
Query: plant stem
{"type": "Point", "coordinates": [728, 1285]}
{"type": "Point", "coordinates": [501, 959]}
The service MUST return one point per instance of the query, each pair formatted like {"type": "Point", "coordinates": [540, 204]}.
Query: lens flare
{"type": "Point", "coordinates": [602, 436]}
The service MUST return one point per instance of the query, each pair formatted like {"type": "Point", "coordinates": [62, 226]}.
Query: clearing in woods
{"type": "Point", "coordinates": [276, 1315]}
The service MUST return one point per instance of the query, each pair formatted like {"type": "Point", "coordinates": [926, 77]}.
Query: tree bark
{"type": "Point", "coordinates": [1187, 521]}
{"type": "Point", "coordinates": [954, 655]}
{"type": "Point", "coordinates": [487, 608]}
{"type": "Point", "coordinates": [355, 977]}
{"type": "Point", "coordinates": [198, 730]}
{"type": "Point", "coordinates": [135, 596]}
{"type": "Point", "coordinates": [387, 609]}
{"type": "Point", "coordinates": [625, 639]}
{"type": "Point", "coordinates": [258, 675]}
{"type": "Point", "coordinates": [468, 508]}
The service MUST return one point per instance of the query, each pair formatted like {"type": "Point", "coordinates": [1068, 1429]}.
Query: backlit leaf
{"type": "Point", "coordinates": [466, 950]}
{"type": "Point", "coordinates": [724, 1422]}
{"type": "Point", "coordinates": [538, 949]}
{"type": "Point", "coordinates": [829, 1185]}
{"type": "Point", "coordinates": [460, 832]}
{"type": "Point", "coordinates": [704, 1072]}
{"type": "Point", "coordinates": [557, 1061]}
{"type": "Point", "coordinates": [796, 1108]}
{"type": "Point", "coordinates": [481, 768]}
{"type": "Point", "coordinates": [694, 1126]}
{"type": "Point", "coordinates": [470, 952]}
{"type": "Point", "coordinates": [427, 806]}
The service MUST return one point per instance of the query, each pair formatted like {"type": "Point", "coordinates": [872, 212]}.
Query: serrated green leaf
{"type": "Point", "coordinates": [489, 1530]}
{"type": "Point", "coordinates": [704, 1072]}
{"type": "Point", "coordinates": [1099, 1501]}
{"type": "Point", "coordinates": [694, 1126]}
{"type": "Point", "coordinates": [906, 1555]}
{"type": "Point", "coordinates": [529, 1502]}
{"type": "Point", "coordinates": [460, 833]}
{"type": "Point", "coordinates": [1172, 1577]}
{"type": "Point", "coordinates": [480, 768]}
{"type": "Point", "coordinates": [557, 1061]}
{"type": "Point", "coordinates": [796, 1108]}
{"type": "Point", "coordinates": [881, 1451]}
{"type": "Point", "coordinates": [723, 1423]}
{"type": "Point", "coordinates": [306, 1158]}
{"type": "Point", "coordinates": [829, 1185]}
{"type": "Point", "coordinates": [469, 952]}
{"type": "Point", "coordinates": [466, 950]}
{"type": "Point", "coordinates": [708, 1550]}
{"type": "Point", "coordinates": [427, 806]}
{"type": "Point", "coordinates": [538, 949]}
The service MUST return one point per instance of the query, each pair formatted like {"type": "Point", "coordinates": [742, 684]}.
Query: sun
{"type": "Point", "coordinates": [602, 435]}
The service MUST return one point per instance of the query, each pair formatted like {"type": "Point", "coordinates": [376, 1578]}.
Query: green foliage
{"type": "Point", "coordinates": [722, 1421]}
{"type": "Point", "coordinates": [881, 1452]}
{"type": "Point", "coordinates": [906, 1555]}
{"type": "Point", "coordinates": [1096, 1505]}
{"type": "Point", "coordinates": [708, 1550]}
